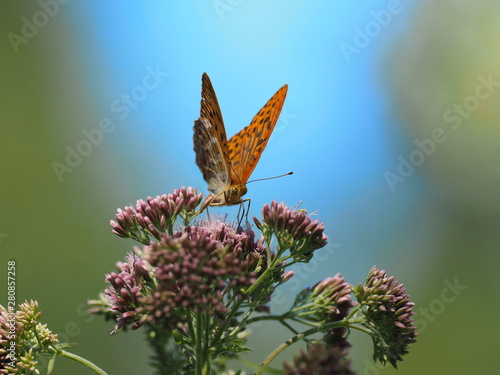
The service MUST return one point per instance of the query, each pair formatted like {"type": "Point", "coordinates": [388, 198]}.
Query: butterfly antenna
{"type": "Point", "coordinates": [270, 178]}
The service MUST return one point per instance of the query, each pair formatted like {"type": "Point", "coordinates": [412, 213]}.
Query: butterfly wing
{"type": "Point", "coordinates": [246, 147]}
{"type": "Point", "coordinates": [210, 142]}
{"type": "Point", "coordinates": [210, 156]}
{"type": "Point", "coordinates": [210, 110]}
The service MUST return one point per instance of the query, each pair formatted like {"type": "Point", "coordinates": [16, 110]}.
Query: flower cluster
{"type": "Point", "coordinates": [127, 287]}
{"type": "Point", "coordinates": [241, 240]}
{"type": "Point", "coordinates": [243, 245]}
{"type": "Point", "coordinates": [156, 216]}
{"type": "Point", "coordinates": [320, 359]}
{"type": "Point", "coordinates": [199, 268]}
{"type": "Point", "coordinates": [327, 301]}
{"type": "Point", "coordinates": [388, 312]}
{"type": "Point", "coordinates": [194, 273]}
{"type": "Point", "coordinates": [22, 331]}
{"type": "Point", "coordinates": [293, 229]}
{"type": "Point", "coordinates": [196, 286]}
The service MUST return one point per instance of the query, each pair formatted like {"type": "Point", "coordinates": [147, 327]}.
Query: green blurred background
{"type": "Point", "coordinates": [369, 83]}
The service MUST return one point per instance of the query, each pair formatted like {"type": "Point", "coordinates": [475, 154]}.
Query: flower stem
{"type": "Point", "coordinates": [226, 322]}
{"type": "Point", "coordinates": [81, 360]}
{"type": "Point", "coordinates": [199, 345]}
{"type": "Point", "coordinates": [354, 311]}
{"type": "Point", "coordinates": [279, 349]}
{"type": "Point", "coordinates": [271, 268]}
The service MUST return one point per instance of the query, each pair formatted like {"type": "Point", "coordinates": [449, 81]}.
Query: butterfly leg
{"type": "Point", "coordinates": [208, 202]}
{"type": "Point", "coordinates": [242, 212]}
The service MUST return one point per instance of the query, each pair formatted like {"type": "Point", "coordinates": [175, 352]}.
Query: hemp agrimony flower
{"type": "Point", "coordinates": [196, 287]}
{"type": "Point", "coordinates": [327, 301]}
{"type": "Point", "coordinates": [156, 215]}
{"type": "Point", "coordinates": [293, 229]}
{"type": "Point", "coordinates": [388, 312]}
{"type": "Point", "coordinates": [193, 274]}
{"type": "Point", "coordinates": [22, 331]}
{"type": "Point", "coordinates": [23, 339]}
{"type": "Point", "coordinates": [127, 288]}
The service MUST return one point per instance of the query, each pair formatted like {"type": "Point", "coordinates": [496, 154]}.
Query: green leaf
{"type": "Point", "coordinates": [52, 362]}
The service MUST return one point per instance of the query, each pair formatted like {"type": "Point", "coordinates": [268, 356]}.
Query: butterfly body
{"type": "Point", "coordinates": [227, 165]}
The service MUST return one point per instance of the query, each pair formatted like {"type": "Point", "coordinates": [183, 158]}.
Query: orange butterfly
{"type": "Point", "coordinates": [227, 165]}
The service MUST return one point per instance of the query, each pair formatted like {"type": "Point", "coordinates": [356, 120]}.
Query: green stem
{"type": "Point", "coordinates": [243, 322]}
{"type": "Point", "coordinates": [258, 281]}
{"type": "Point", "coordinates": [234, 310]}
{"type": "Point", "coordinates": [289, 326]}
{"type": "Point", "coordinates": [265, 317]}
{"type": "Point", "coordinates": [206, 345]}
{"type": "Point", "coordinates": [279, 349]}
{"type": "Point", "coordinates": [279, 318]}
{"type": "Point", "coordinates": [227, 321]}
{"type": "Point", "coordinates": [282, 319]}
{"type": "Point", "coordinates": [362, 329]}
{"type": "Point", "coordinates": [304, 307]}
{"type": "Point", "coordinates": [271, 265]}
{"type": "Point", "coordinates": [81, 360]}
{"type": "Point", "coordinates": [288, 264]}
{"type": "Point", "coordinates": [268, 250]}
{"type": "Point", "coordinates": [269, 269]}
{"type": "Point", "coordinates": [355, 310]}
{"type": "Point", "coordinates": [199, 345]}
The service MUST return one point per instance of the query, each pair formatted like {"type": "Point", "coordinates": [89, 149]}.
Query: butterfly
{"type": "Point", "coordinates": [227, 165]}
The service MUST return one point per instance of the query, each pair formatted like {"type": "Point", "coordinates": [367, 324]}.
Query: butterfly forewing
{"type": "Point", "coordinates": [210, 110]}
{"type": "Point", "coordinates": [246, 147]}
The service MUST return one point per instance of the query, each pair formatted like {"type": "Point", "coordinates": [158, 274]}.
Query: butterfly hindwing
{"type": "Point", "coordinates": [210, 156]}
{"type": "Point", "coordinates": [210, 141]}
{"type": "Point", "coordinates": [246, 147]}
